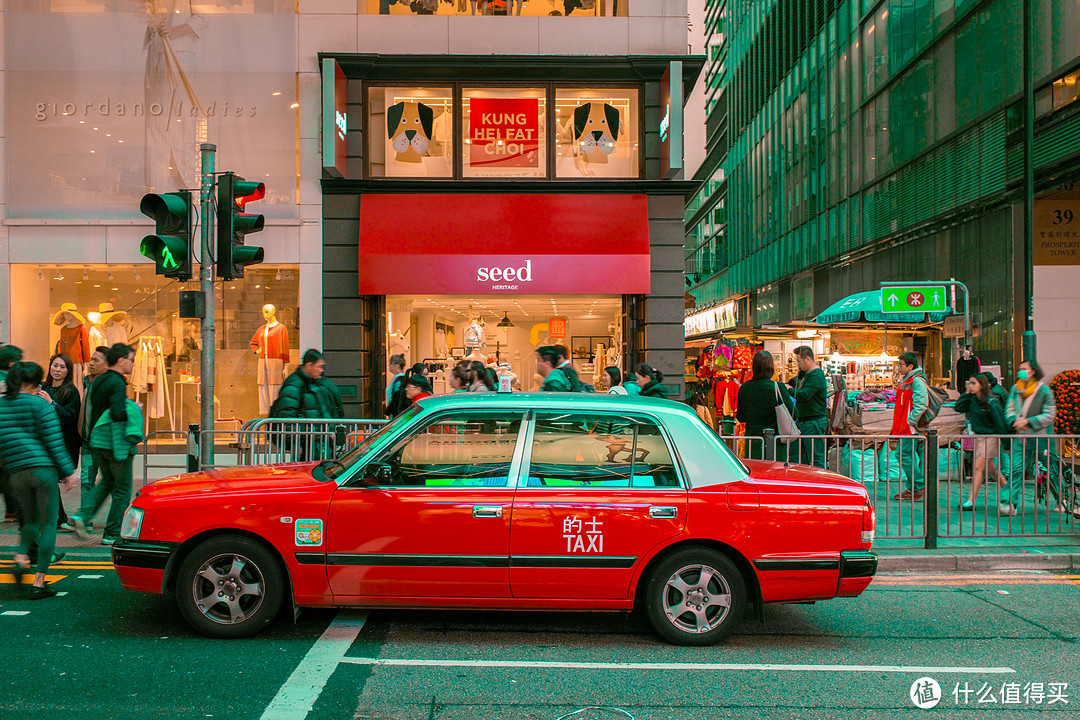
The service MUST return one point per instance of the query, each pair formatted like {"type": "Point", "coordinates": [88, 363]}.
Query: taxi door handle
{"type": "Point", "coordinates": [658, 511]}
{"type": "Point", "coordinates": [494, 511]}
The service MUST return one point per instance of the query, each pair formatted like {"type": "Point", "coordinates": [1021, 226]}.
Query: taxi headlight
{"type": "Point", "coordinates": [131, 525]}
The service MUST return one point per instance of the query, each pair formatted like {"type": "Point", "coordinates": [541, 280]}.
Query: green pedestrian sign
{"type": "Point", "coordinates": [913, 298]}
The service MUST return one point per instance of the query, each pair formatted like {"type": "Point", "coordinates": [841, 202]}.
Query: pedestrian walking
{"type": "Point", "coordinates": [88, 471]}
{"type": "Point", "coordinates": [478, 378]}
{"type": "Point", "coordinates": [9, 355]}
{"type": "Point", "coordinates": [458, 379]}
{"type": "Point", "coordinates": [811, 391]}
{"type": "Point", "coordinates": [650, 380]}
{"type": "Point", "coordinates": [912, 402]}
{"type": "Point", "coordinates": [59, 391]}
{"type": "Point", "coordinates": [116, 430]}
{"type": "Point", "coordinates": [567, 367]}
{"type": "Point", "coordinates": [996, 390]}
{"type": "Point", "coordinates": [1030, 411]}
{"type": "Point", "coordinates": [417, 388]}
{"type": "Point", "coordinates": [396, 384]}
{"type": "Point", "coordinates": [307, 394]}
{"type": "Point", "coordinates": [555, 378]}
{"type": "Point", "coordinates": [613, 376]}
{"type": "Point", "coordinates": [758, 402]}
{"type": "Point", "coordinates": [32, 449]}
{"type": "Point", "coordinates": [986, 417]}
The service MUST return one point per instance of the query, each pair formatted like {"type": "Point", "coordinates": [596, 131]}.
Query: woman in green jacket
{"type": "Point", "coordinates": [986, 417]}
{"type": "Point", "coordinates": [33, 452]}
{"type": "Point", "coordinates": [650, 379]}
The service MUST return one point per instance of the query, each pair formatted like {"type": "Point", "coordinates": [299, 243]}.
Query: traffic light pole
{"type": "Point", "coordinates": [206, 274]}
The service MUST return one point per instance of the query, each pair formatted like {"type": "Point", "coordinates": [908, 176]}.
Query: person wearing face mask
{"type": "Point", "coordinates": [1030, 411]}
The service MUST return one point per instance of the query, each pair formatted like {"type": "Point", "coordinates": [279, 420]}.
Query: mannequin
{"type": "Point", "coordinates": [74, 334]}
{"type": "Point", "coordinates": [271, 344]}
{"type": "Point", "coordinates": [113, 324]}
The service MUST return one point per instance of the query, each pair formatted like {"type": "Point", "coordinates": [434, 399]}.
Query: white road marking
{"type": "Point", "coordinates": [416, 662]}
{"type": "Point", "coordinates": [90, 577]}
{"type": "Point", "coordinates": [15, 612]}
{"type": "Point", "coordinates": [298, 695]}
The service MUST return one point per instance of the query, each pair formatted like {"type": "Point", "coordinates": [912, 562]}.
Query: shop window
{"type": "Point", "coordinates": [410, 132]}
{"type": "Point", "coordinates": [76, 308]}
{"type": "Point", "coordinates": [597, 133]}
{"type": "Point", "coordinates": [505, 134]}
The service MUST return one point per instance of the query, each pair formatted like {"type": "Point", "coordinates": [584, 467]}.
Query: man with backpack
{"type": "Point", "coordinates": [555, 378]}
{"type": "Point", "coordinates": [307, 394]}
{"type": "Point", "coordinates": [576, 385]}
{"type": "Point", "coordinates": [909, 419]}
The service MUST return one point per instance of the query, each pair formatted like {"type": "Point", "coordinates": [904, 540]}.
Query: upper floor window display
{"type": "Point", "coordinates": [504, 133]}
{"type": "Point", "coordinates": [555, 8]}
{"type": "Point", "coordinates": [596, 133]}
{"type": "Point", "coordinates": [411, 132]}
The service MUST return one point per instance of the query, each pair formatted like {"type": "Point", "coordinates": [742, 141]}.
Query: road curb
{"type": "Point", "coordinates": [1049, 562]}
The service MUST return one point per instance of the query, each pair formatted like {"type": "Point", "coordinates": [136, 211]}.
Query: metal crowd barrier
{"type": "Point", "coordinates": [1040, 471]}
{"type": "Point", "coordinates": [1029, 482]}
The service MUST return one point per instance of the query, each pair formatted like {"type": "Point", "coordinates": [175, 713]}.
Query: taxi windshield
{"type": "Point", "coordinates": [340, 465]}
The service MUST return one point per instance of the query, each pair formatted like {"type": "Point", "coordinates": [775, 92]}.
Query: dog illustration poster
{"type": "Point", "coordinates": [409, 126]}
{"type": "Point", "coordinates": [504, 132]}
{"type": "Point", "coordinates": [596, 129]}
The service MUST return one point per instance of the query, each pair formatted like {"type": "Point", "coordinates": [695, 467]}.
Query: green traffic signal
{"type": "Point", "coordinates": [233, 193]}
{"type": "Point", "coordinates": [170, 246]}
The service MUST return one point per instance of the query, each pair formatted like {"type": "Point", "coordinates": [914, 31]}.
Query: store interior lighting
{"type": "Point", "coordinates": [505, 322]}
{"type": "Point", "coordinates": [39, 273]}
{"type": "Point", "coordinates": [59, 275]}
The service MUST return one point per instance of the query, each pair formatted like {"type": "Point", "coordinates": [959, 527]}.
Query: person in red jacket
{"type": "Point", "coordinates": [912, 401]}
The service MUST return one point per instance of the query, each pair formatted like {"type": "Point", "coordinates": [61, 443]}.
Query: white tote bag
{"type": "Point", "coordinates": [788, 431]}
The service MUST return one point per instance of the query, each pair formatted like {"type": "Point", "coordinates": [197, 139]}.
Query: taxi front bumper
{"type": "Point", "coordinates": [141, 565]}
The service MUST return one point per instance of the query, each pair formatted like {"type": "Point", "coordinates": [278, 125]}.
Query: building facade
{"type": "Point", "coordinates": [851, 143]}
{"type": "Point", "coordinates": [88, 132]}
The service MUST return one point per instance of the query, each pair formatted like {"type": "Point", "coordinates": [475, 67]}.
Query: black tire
{"type": "Point", "coordinates": [250, 585]}
{"type": "Point", "coordinates": [710, 613]}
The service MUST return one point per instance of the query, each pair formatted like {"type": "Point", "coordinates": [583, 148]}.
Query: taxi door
{"type": "Point", "coordinates": [596, 494]}
{"type": "Point", "coordinates": [430, 517]}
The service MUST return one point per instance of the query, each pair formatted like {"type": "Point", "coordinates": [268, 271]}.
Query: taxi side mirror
{"type": "Point", "coordinates": [377, 474]}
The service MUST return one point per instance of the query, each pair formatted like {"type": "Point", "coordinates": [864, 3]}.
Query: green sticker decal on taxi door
{"type": "Point", "coordinates": [309, 531]}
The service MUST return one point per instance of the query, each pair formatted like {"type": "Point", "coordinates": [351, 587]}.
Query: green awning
{"type": "Point", "coordinates": [866, 307]}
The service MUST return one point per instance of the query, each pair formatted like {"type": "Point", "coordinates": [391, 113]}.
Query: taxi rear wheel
{"type": "Point", "coordinates": [695, 597]}
{"type": "Point", "coordinates": [229, 587]}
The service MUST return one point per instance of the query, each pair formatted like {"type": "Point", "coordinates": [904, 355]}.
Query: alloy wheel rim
{"type": "Point", "coordinates": [696, 599]}
{"type": "Point", "coordinates": [228, 589]}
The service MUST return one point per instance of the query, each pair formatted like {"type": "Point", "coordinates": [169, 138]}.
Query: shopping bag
{"type": "Point", "coordinates": [787, 430]}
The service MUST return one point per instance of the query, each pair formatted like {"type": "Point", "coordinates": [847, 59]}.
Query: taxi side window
{"type": "Point", "coordinates": [456, 450]}
{"type": "Point", "coordinates": [603, 451]}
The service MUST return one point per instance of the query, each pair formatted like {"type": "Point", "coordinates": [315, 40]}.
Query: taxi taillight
{"type": "Point", "coordinates": [869, 523]}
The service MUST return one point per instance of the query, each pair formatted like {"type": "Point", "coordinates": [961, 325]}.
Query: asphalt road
{"type": "Point", "coordinates": [99, 651]}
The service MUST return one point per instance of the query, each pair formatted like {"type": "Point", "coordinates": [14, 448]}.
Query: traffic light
{"type": "Point", "coordinates": [170, 246]}
{"type": "Point", "coordinates": [233, 193]}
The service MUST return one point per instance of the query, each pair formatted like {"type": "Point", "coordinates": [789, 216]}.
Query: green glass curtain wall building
{"type": "Point", "coordinates": [870, 141]}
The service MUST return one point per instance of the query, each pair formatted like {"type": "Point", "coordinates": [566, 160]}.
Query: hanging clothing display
{"type": "Point", "coordinates": [726, 395]}
{"type": "Point", "coordinates": [474, 335]}
{"type": "Point", "coordinates": [148, 376]}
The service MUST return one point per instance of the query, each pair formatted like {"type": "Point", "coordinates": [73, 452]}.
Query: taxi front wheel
{"type": "Point", "coordinates": [229, 587]}
{"type": "Point", "coordinates": [695, 597]}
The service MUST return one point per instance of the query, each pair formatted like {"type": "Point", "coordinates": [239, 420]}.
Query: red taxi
{"type": "Point", "coordinates": [507, 501]}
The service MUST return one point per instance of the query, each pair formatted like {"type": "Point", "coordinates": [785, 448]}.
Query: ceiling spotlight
{"type": "Point", "coordinates": [505, 322]}
{"type": "Point", "coordinates": [40, 276]}
{"type": "Point", "coordinates": [85, 275]}
{"type": "Point", "coordinates": [279, 275]}
{"type": "Point", "coordinates": [110, 275]}
{"type": "Point", "coordinates": [59, 275]}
